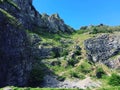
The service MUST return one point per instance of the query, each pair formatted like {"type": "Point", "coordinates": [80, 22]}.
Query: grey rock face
{"type": "Point", "coordinates": [28, 15]}
{"type": "Point", "coordinates": [103, 47]}
{"type": "Point", "coordinates": [56, 24]}
{"type": "Point", "coordinates": [15, 55]}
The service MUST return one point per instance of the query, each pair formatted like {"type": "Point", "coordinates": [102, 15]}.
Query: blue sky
{"type": "Point", "coordinates": [77, 13]}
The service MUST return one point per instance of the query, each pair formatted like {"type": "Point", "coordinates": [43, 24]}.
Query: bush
{"type": "Point", "coordinates": [64, 53]}
{"type": "Point", "coordinates": [78, 52]}
{"type": "Point", "coordinates": [77, 75]}
{"type": "Point", "coordinates": [85, 68]}
{"type": "Point", "coordinates": [100, 72]}
{"type": "Point", "coordinates": [94, 31]}
{"type": "Point", "coordinates": [72, 62]}
{"type": "Point", "coordinates": [114, 80]}
{"type": "Point", "coordinates": [74, 74]}
{"type": "Point", "coordinates": [100, 29]}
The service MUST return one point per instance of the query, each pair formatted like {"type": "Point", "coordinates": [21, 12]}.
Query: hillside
{"type": "Point", "coordinates": [38, 50]}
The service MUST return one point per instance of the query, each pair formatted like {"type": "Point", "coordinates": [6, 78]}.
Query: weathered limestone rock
{"type": "Point", "coordinates": [103, 47]}
{"type": "Point", "coordinates": [55, 24]}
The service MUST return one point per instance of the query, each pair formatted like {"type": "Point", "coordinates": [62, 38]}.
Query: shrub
{"type": "Point", "coordinates": [85, 68]}
{"type": "Point", "coordinates": [77, 75]}
{"type": "Point", "coordinates": [114, 80]}
{"type": "Point", "coordinates": [72, 62]}
{"type": "Point", "coordinates": [94, 31]}
{"type": "Point", "coordinates": [74, 74]}
{"type": "Point", "coordinates": [64, 53]}
{"type": "Point", "coordinates": [78, 52]}
{"type": "Point", "coordinates": [100, 72]}
{"type": "Point", "coordinates": [100, 29]}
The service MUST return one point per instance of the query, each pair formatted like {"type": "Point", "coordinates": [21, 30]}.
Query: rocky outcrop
{"type": "Point", "coordinates": [101, 48]}
{"type": "Point", "coordinates": [28, 14]}
{"type": "Point", "coordinates": [55, 24]}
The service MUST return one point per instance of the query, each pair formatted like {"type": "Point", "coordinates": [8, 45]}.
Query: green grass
{"type": "Point", "coordinates": [10, 18]}
{"type": "Point", "coordinates": [84, 67]}
{"type": "Point", "coordinates": [7, 14]}
{"type": "Point", "coordinates": [49, 38]}
{"type": "Point", "coordinates": [37, 88]}
{"type": "Point", "coordinates": [59, 69]}
{"type": "Point", "coordinates": [109, 88]}
{"type": "Point", "coordinates": [13, 4]}
{"type": "Point", "coordinates": [114, 80]}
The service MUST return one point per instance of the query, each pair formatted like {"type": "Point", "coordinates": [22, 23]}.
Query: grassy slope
{"type": "Point", "coordinates": [79, 40]}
